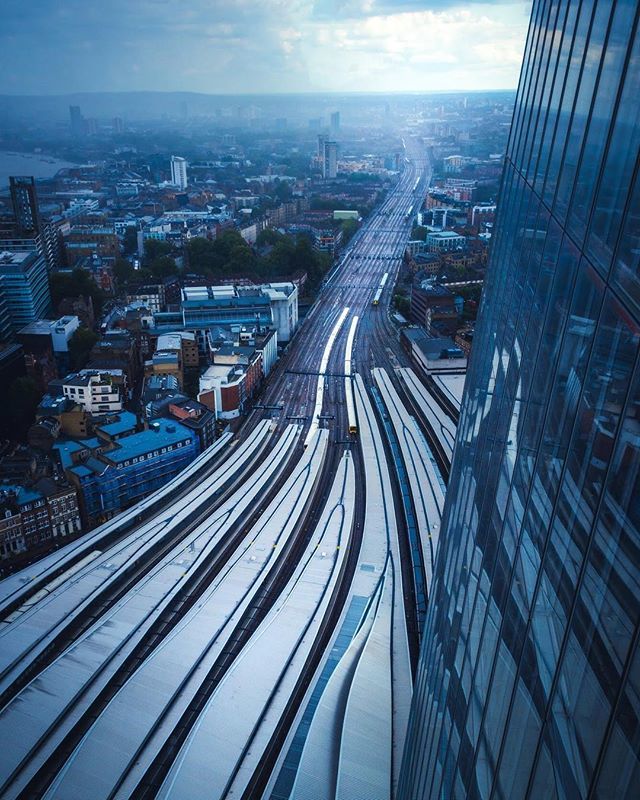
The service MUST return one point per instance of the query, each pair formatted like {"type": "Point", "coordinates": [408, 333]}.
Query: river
{"type": "Point", "coordinates": [40, 165]}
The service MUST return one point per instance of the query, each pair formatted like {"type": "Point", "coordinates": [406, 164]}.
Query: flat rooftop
{"type": "Point", "coordinates": [163, 434]}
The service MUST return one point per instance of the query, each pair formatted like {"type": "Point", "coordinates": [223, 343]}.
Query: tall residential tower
{"type": "Point", "coordinates": [179, 172]}
{"type": "Point", "coordinates": [529, 678]}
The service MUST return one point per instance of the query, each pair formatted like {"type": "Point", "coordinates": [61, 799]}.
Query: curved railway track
{"type": "Point", "coordinates": [170, 667]}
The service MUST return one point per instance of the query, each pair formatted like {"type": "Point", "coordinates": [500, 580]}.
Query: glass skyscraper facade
{"type": "Point", "coordinates": [528, 683]}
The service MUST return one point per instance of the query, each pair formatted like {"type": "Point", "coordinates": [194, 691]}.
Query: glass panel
{"type": "Point", "coordinates": [556, 95]}
{"type": "Point", "coordinates": [568, 98]}
{"type": "Point", "coordinates": [588, 78]}
{"type": "Point", "coordinates": [601, 115]}
{"type": "Point", "coordinates": [620, 771]}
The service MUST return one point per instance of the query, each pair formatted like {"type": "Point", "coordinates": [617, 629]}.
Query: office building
{"type": "Point", "coordinates": [528, 684]}
{"type": "Point", "coordinates": [6, 330]}
{"type": "Point", "coordinates": [444, 241]}
{"type": "Point", "coordinates": [25, 286]}
{"type": "Point", "coordinates": [330, 160]}
{"type": "Point", "coordinates": [77, 121]}
{"type": "Point", "coordinates": [335, 123]}
{"type": "Point", "coordinates": [24, 199]}
{"type": "Point", "coordinates": [27, 230]}
{"type": "Point", "coordinates": [270, 305]}
{"type": "Point", "coordinates": [179, 172]}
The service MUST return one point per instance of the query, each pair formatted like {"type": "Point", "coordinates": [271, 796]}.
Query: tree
{"type": "Point", "coordinates": [229, 254]}
{"type": "Point", "coordinates": [80, 346]}
{"type": "Point", "coordinates": [154, 248]}
{"type": "Point", "coordinates": [22, 399]}
{"type": "Point", "coordinates": [74, 284]}
{"type": "Point", "coordinates": [241, 260]}
{"type": "Point", "coordinates": [268, 236]}
{"type": "Point", "coordinates": [130, 240]}
{"type": "Point", "coordinates": [402, 304]}
{"type": "Point", "coordinates": [349, 227]}
{"type": "Point", "coordinates": [123, 271]}
{"type": "Point", "coordinates": [163, 267]}
{"type": "Point", "coordinates": [283, 190]}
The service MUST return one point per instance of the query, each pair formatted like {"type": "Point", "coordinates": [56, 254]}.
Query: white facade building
{"type": "Point", "coordinates": [330, 160]}
{"type": "Point", "coordinates": [94, 390]}
{"type": "Point", "coordinates": [283, 298]}
{"type": "Point", "coordinates": [179, 172]}
{"type": "Point", "coordinates": [61, 332]}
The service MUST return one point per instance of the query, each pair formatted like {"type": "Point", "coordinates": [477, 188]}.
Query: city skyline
{"type": "Point", "coordinates": [276, 47]}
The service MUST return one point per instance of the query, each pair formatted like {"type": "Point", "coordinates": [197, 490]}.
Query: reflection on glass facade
{"type": "Point", "coordinates": [529, 678]}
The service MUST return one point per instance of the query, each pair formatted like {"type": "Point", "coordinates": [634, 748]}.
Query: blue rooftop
{"type": "Point", "coordinates": [54, 404]}
{"type": "Point", "coordinates": [96, 466]}
{"type": "Point", "coordinates": [81, 470]}
{"type": "Point", "coordinates": [126, 422]}
{"type": "Point", "coordinates": [65, 449]}
{"type": "Point", "coordinates": [23, 495]}
{"type": "Point", "coordinates": [167, 432]}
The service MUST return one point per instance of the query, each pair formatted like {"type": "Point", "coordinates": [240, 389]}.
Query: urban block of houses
{"type": "Point", "coordinates": [124, 462]}
{"type": "Point", "coordinates": [31, 517]}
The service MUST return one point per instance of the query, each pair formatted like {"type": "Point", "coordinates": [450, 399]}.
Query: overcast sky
{"type": "Point", "coordinates": [214, 46]}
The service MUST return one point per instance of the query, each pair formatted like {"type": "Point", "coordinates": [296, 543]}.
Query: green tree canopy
{"type": "Point", "coordinates": [268, 236]}
{"type": "Point", "coordinates": [21, 402]}
{"type": "Point", "coordinates": [73, 284]}
{"type": "Point", "coordinates": [230, 255]}
{"type": "Point", "coordinates": [130, 242]}
{"type": "Point", "coordinates": [163, 267]}
{"type": "Point", "coordinates": [80, 346]}
{"type": "Point", "coordinates": [154, 248]}
{"type": "Point", "coordinates": [349, 227]}
{"type": "Point", "coordinates": [123, 271]}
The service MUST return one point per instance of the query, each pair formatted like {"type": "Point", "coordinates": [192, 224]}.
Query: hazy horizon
{"type": "Point", "coordinates": [311, 92]}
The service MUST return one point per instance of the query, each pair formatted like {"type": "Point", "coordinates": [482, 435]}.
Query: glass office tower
{"type": "Point", "coordinates": [529, 678]}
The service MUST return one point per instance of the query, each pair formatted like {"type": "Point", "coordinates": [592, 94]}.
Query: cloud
{"type": "Point", "coordinates": [60, 46]}
{"type": "Point", "coordinates": [352, 9]}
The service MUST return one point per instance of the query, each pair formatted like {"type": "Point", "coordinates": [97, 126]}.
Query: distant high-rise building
{"type": "Point", "coordinates": [24, 198]}
{"type": "Point", "coordinates": [319, 158]}
{"type": "Point", "coordinates": [330, 160]}
{"type": "Point", "coordinates": [25, 286]}
{"type": "Point", "coordinates": [118, 125]}
{"type": "Point", "coordinates": [528, 684]}
{"type": "Point", "coordinates": [91, 126]}
{"type": "Point", "coordinates": [179, 172]}
{"type": "Point", "coordinates": [335, 123]}
{"type": "Point", "coordinates": [77, 121]}
{"type": "Point", "coordinates": [27, 231]}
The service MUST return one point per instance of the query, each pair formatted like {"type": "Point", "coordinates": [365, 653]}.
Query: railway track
{"type": "Point", "coordinates": [206, 630]}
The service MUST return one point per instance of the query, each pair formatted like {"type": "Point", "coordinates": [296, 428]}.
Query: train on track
{"type": "Point", "coordinates": [380, 289]}
{"type": "Point", "coordinates": [348, 380]}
